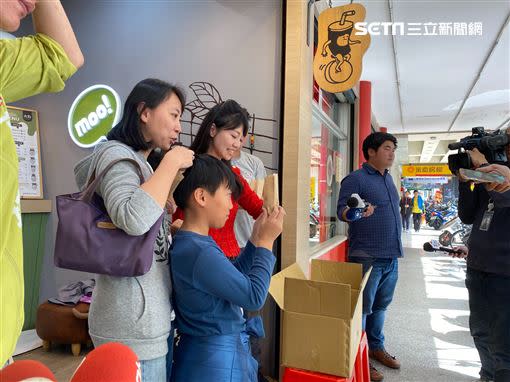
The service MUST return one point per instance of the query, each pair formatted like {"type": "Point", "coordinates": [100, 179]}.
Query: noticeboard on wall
{"type": "Point", "coordinates": [25, 131]}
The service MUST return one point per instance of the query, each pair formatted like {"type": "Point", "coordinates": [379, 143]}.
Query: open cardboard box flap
{"type": "Point", "coordinates": [332, 290]}
{"type": "Point", "coordinates": [337, 272]}
{"type": "Point", "coordinates": [365, 279]}
{"type": "Point", "coordinates": [277, 286]}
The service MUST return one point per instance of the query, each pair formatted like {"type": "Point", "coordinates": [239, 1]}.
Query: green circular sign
{"type": "Point", "coordinates": [93, 114]}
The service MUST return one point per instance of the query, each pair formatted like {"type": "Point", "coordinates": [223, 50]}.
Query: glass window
{"type": "Point", "coordinates": [328, 167]}
{"type": "Point", "coordinates": [329, 162]}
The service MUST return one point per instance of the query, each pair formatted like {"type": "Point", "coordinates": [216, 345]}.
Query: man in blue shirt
{"type": "Point", "coordinates": [374, 238]}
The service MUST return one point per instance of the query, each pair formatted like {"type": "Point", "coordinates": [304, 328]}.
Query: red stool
{"type": "Point", "coordinates": [361, 372]}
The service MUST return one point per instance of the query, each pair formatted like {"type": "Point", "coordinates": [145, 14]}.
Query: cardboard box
{"type": "Point", "coordinates": [321, 327]}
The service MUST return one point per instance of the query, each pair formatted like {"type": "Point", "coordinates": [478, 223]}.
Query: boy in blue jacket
{"type": "Point", "coordinates": [209, 290]}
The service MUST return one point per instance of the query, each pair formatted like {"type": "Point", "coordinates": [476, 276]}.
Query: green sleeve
{"type": "Point", "coordinates": [32, 65]}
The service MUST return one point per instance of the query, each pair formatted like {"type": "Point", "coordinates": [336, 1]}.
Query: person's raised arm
{"type": "Point", "coordinates": [266, 229]}
{"type": "Point", "coordinates": [50, 19]}
{"type": "Point", "coordinates": [247, 285]}
{"type": "Point", "coordinates": [158, 186]}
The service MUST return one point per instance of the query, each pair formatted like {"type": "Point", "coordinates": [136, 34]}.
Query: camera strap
{"type": "Point", "coordinates": [487, 216]}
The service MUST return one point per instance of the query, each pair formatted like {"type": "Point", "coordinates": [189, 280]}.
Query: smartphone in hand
{"type": "Point", "coordinates": [481, 177]}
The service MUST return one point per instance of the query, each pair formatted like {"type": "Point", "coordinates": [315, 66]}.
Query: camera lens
{"type": "Point", "coordinates": [455, 146]}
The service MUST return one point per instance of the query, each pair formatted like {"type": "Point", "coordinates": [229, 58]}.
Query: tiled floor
{"type": "Point", "coordinates": [427, 323]}
{"type": "Point", "coordinates": [415, 240]}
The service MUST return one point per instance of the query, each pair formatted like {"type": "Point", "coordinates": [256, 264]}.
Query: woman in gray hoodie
{"type": "Point", "coordinates": [136, 311]}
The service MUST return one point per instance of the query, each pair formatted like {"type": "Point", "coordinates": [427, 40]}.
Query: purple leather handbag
{"type": "Point", "coordinates": [88, 241]}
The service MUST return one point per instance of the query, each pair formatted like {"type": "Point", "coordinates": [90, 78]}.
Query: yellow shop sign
{"type": "Point", "coordinates": [429, 169]}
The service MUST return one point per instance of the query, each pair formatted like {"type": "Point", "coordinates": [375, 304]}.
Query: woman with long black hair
{"type": "Point", "coordinates": [137, 311]}
{"type": "Point", "coordinates": [221, 135]}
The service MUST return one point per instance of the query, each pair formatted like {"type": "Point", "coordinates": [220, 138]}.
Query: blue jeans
{"type": "Point", "coordinates": [377, 296]}
{"type": "Point", "coordinates": [406, 222]}
{"type": "Point", "coordinates": [489, 322]}
{"type": "Point", "coordinates": [154, 370]}
{"type": "Point", "coordinates": [159, 369]}
{"type": "Point", "coordinates": [170, 354]}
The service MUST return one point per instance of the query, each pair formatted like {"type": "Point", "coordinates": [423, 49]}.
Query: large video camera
{"type": "Point", "coordinates": [491, 145]}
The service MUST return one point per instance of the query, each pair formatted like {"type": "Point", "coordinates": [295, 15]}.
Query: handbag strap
{"type": "Point", "coordinates": [93, 182]}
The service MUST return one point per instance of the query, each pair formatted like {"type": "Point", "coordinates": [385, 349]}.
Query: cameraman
{"type": "Point", "coordinates": [488, 267]}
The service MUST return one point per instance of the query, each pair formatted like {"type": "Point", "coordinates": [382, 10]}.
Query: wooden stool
{"type": "Point", "coordinates": [63, 324]}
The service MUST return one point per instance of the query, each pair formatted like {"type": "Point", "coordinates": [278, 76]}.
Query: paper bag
{"type": "Point", "coordinates": [270, 193]}
{"type": "Point", "coordinates": [257, 185]}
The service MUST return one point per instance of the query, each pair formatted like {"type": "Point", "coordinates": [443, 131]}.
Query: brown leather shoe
{"type": "Point", "coordinates": [385, 358]}
{"type": "Point", "coordinates": [375, 375]}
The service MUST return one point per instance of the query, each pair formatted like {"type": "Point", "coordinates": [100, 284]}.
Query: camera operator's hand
{"type": "Point", "coordinates": [477, 158]}
{"type": "Point", "coordinates": [462, 252]}
{"type": "Point", "coordinates": [499, 170]}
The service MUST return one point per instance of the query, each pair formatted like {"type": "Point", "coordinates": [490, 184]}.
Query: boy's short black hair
{"type": "Point", "coordinates": [209, 173]}
{"type": "Point", "coordinates": [375, 140]}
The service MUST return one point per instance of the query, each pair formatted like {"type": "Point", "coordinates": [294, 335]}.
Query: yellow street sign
{"type": "Point", "coordinates": [429, 169]}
